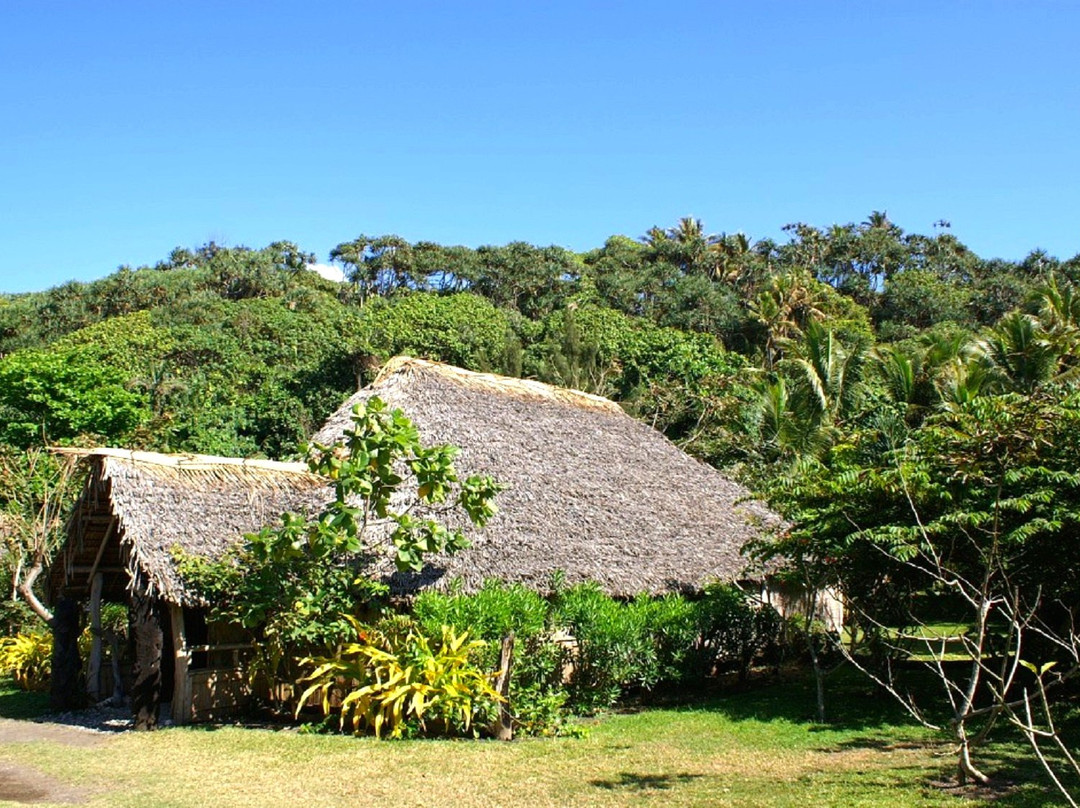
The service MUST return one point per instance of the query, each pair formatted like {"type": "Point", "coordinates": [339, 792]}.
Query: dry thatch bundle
{"type": "Point", "coordinates": [591, 493]}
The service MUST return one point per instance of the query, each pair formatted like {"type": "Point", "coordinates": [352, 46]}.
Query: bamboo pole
{"type": "Point", "coordinates": [503, 729]}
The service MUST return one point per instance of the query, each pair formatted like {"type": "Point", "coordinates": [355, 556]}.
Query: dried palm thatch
{"type": "Point", "coordinates": [591, 493]}
{"type": "Point", "coordinates": [138, 506]}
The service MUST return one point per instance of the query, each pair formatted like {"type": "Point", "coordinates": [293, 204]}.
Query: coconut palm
{"type": "Point", "coordinates": [1059, 314]}
{"type": "Point", "coordinates": [1022, 351]}
{"type": "Point", "coordinates": [900, 371]}
{"type": "Point", "coordinates": [787, 423]}
{"type": "Point", "coordinates": [830, 370]}
{"type": "Point", "coordinates": [826, 378]}
{"type": "Point", "coordinates": [784, 308]}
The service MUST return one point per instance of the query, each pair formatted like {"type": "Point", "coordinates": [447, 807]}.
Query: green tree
{"type": "Point", "coordinates": [60, 395]}
{"type": "Point", "coordinates": [531, 280]}
{"type": "Point", "coordinates": [806, 406]}
{"type": "Point", "coordinates": [968, 506]}
{"type": "Point", "coordinates": [377, 265]}
{"type": "Point", "coordinates": [462, 329]}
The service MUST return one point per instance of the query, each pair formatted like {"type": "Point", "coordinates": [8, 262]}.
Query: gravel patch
{"type": "Point", "coordinates": [101, 719]}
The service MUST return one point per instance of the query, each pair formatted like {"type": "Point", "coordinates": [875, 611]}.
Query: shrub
{"type": "Point", "coordinates": [462, 329]}
{"type": "Point", "coordinates": [27, 658]}
{"type": "Point", "coordinates": [672, 623]}
{"type": "Point", "coordinates": [489, 614]}
{"type": "Point", "coordinates": [397, 678]}
{"type": "Point", "coordinates": [616, 646]}
{"type": "Point", "coordinates": [613, 647]}
{"type": "Point", "coordinates": [733, 630]}
{"type": "Point", "coordinates": [537, 694]}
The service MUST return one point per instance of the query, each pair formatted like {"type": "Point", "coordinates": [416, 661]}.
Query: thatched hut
{"type": "Point", "coordinates": [135, 511]}
{"type": "Point", "coordinates": [591, 494]}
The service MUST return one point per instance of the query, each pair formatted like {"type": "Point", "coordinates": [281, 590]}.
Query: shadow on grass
{"type": "Point", "coordinates": [631, 781]}
{"type": "Point", "coordinates": [21, 704]}
{"type": "Point", "coordinates": [852, 702]}
{"type": "Point", "coordinates": [1017, 779]}
{"type": "Point", "coordinates": [863, 717]}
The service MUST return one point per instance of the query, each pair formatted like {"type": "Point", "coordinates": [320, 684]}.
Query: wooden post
{"type": "Point", "coordinates": [114, 658]}
{"type": "Point", "coordinates": [93, 667]}
{"type": "Point", "coordinates": [503, 729]}
{"type": "Point", "coordinates": [66, 692]}
{"type": "Point", "coordinates": [146, 691]}
{"type": "Point", "coordinates": [181, 695]}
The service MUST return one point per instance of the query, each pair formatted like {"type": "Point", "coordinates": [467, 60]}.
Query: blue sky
{"type": "Point", "coordinates": [132, 128]}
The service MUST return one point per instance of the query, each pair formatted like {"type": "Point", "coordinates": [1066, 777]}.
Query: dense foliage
{"type": "Point", "coordinates": [25, 658]}
{"type": "Point", "coordinates": [396, 679]}
{"type": "Point", "coordinates": [583, 650]}
{"type": "Point", "coordinates": [943, 471]}
{"type": "Point", "coordinates": [239, 351]}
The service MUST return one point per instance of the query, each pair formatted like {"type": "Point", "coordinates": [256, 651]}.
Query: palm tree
{"type": "Point", "coordinates": [965, 380]}
{"type": "Point", "coordinates": [1059, 314]}
{"type": "Point", "coordinates": [784, 308]}
{"type": "Point", "coordinates": [788, 424]}
{"type": "Point", "coordinates": [1022, 352]}
{"type": "Point", "coordinates": [805, 417]}
{"type": "Point", "coordinates": [830, 371]}
{"type": "Point", "coordinates": [900, 371]}
{"type": "Point", "coordinates": [731, 257]}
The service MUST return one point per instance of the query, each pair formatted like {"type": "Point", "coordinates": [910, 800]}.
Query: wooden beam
{"type": "Point", "coordinates": [146, 690]}
{"type": "Point", "coordinates": [503, 727]}
{"type": "Point", "coordinates": [101, 547]}
{"type": "Point", "coordinates": [231, 646]}
{"type": "Point", "coordinates": [89, 568]}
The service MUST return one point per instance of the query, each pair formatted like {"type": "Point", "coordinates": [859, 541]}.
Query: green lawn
{"type": "Point", "coordinates": [752, 749]}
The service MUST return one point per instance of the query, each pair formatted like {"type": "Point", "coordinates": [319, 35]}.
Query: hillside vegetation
{"type": "Point", "coordinates": [912, 408]}
{"type": "Point", "coordinates": [243, 351]}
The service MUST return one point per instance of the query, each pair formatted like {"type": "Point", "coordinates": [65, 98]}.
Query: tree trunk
{"type": "Point", "coordinates": [146, 691]}
{"type": "Point", "coordinates": [65, 692]}
{"type": "Point", "coordinates": [965, 768]}
{"type": "Point", "coordinates": [819, 687]}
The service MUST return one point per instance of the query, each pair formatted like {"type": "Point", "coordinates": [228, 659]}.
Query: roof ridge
{"type": "Point", "coordinates": [183, 460]}
{"type": "Point", "coordinates": [495, 383]}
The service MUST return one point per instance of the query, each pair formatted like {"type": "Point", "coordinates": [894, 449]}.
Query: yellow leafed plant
{"type": "Point", "coordinates": [398, 677]}
{"type": "Point", "coordinates": [27, 659]}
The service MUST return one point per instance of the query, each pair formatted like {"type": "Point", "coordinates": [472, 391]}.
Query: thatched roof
{"type": "Point", "coordinates": [137, 506]}
{"type": "Point", "coordinates": [591, 492]}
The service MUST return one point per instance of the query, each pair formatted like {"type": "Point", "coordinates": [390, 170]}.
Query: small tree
{"type": "Point", "coordinates": [297, 584]}
{"type": "Point", "coordinates": [36, 490]}
{"type": "Point", "coordinates": [978, 507]}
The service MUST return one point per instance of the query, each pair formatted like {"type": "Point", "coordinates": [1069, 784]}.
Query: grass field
{"type": "Point", "coordinates": [758, 748]}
